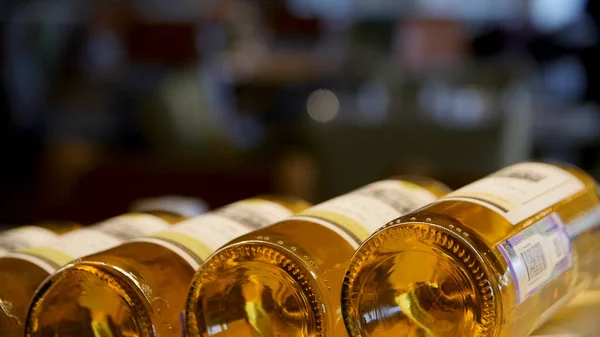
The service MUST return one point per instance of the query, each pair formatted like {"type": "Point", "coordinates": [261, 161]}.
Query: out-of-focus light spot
{"type": "Point", "coordinates": [565, 78]}
{"type": "Point", "coordinates": [550, 15]}
{"type": "Point", "coordinates": [470, 107]}
{"type": "Point", "coordinates": [322, 105]}
{"type": "Point", "coordinates": [436, 99]}
{"type": "Point", "coordinates": [466, 107]}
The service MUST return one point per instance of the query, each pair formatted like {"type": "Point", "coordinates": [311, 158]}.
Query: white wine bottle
{"type": "Point", "coordinates": [495, 258]}
{"type": "Point", "coordinates": [285, 279]}
{"type": "Point", "coordinates": [139, 288]}
{"type": "Point", "coordinates": [22, 271]}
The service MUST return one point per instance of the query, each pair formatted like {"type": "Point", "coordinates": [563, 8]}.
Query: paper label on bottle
{"type": "Point", "coordinates": [186, 206]}
{"type": "Point", "coordinates": [537, 255]}
{"type": "Point", "coordinates": [520, 191]}
{"type": "Point", "coordinates": [22, 237]}
{"type": "Point", "coordinates": [202, 235]}
{"type": "Point", "coordinates": [133, 225]}
{"type": "Point", "coordinates": [96, 238]}
{"type": "Point", "coordinates": [358, 214]}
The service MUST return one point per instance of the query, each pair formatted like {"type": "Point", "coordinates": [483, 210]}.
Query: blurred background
{"type": "Point", "coordinates": [105, 102]}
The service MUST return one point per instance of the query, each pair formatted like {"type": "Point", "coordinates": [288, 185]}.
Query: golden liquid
{"type": "Point", "coordinates": [280, 281]}
{"type": "Point", "coordinates": [438, 272]}
{"type": "Point", "coordinates": [19, 280]}
{"type": "Point", "coordinates": [136, 289]}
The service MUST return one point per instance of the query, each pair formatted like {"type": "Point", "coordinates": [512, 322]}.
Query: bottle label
{"type": "Point", "coordinates": [22, 237]}
{"type": "Point", "coordinates": [358, 214]}
{"type": "Point", "coordinates": [186, 206]}
{"type": "Point", "coordinates": [132, 225]}
{"type": "Point", "coordinates": [537, 255]}
{"type": "Point", "coordinates": [520, 191]}
{"type": "Point", "coordinates": [99, 237]}
{"type": "Point", "coordinates": [202, 235]}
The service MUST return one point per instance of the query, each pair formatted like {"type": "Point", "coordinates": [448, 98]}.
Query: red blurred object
{"type": "Point", "coordinates": [432, 44]}
{"type": "Point", "coordinates": [108, 189]}
{"type": "Point", "coordinates": [286, 25]}
{"type": "Point", "coordinates": [171, 43]}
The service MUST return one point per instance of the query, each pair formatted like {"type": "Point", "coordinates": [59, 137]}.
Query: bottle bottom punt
{"type": "Point", "coordinates": [254, 289]}
{"type": "Point", "coordinates": [418, 280]}
{"type": "Point", "coordinates": [89, 300]}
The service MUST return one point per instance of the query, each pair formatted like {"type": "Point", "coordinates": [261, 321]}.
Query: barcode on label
{"type": "Point", "coordinates": [528, 175]}
{"type": "Point", "coordinates": [538, 254]}
{"type": "Point", "coordinates": [535, 261]}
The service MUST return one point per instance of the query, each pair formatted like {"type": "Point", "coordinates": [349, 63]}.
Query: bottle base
{"type": "Point", "coordinates": [418, 279]}
{"type": "Point", "coordinates": [89, 299]}
{"type": "Point", "coordinates": [254, 288]}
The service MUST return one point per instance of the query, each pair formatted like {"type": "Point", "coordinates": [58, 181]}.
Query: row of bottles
{"type": "Point", "coordinates": [495, 258]}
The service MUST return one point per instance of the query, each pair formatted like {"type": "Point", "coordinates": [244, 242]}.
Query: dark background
{"type": "Point", "coordinates": [104, 102]}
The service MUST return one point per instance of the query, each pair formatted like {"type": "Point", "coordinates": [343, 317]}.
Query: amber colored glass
{"type": "Point", "coordinates": [439, 271]}
{"type": "Point", "coordinates": [20, 278]}
{"type": "Point", "coordinates": [135, 289]}
{"type": "Point", "coordinates": [282, 280]}
{"type": "Point", "coordinates": [15, 299]}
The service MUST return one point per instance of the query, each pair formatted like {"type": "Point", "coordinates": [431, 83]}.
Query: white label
{"type": "Point", "coordinates": [225, 224]}
{"type": "Point", "coordinates": [188, 207]}
{"type": "Point", "coordinates": [537, 255]}
{"type": "Point", "coordinates": [99, 237]}
{"type": "Point", "coordinates": [83, 242]}
{"type": "Point", "coordinates": [369, 212]}
{"type": "Point", "coordinates": [204, 234]}
{"type": "Point", "coordinates": [520, 191]}
{"type": "Point", "coordinates": [363, 211]}
{"type": "Point", "coordinates": [26, 236]}
{"type": "Point", "coordinates": [254, 213]}
{"type": "Point", "coordinates": [213, 230]}
{"type": "Point", "coordinates": [129, 226]}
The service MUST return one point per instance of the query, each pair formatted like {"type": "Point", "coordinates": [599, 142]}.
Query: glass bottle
{"type": "Point", "coordinates": [139, 288]}
{"type": "Point", "coordinates": [495, 258]}
{"type": "Point", "coordinates": [285, 279]}
{"type": "Point", "coordinates": [22, 271]}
